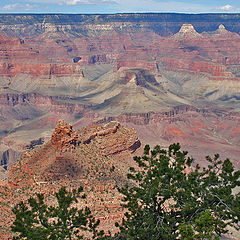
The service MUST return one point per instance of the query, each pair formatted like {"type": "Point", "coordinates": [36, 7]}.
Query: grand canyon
{"type": "Point", "coordinates": [117, 82]}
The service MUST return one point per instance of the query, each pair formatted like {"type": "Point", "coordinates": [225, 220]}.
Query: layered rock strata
{"type": "Point", "coordinates": [99, 166]}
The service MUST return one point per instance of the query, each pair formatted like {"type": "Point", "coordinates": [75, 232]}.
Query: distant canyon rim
{"type": "Point", "coordinates": [172, 77]}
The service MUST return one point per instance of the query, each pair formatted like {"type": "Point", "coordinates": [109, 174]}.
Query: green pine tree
{"type": "Point", "coordinates": [167, 201]}
{"type": "Point", "coordinates": [36, 220]}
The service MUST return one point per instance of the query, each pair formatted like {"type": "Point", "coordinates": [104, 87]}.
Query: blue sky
{"type": "Point", "coordinates": [117, 6]}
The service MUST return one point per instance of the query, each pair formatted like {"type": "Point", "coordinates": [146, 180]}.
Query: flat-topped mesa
{"type": "Point", "coordinates": [64, 135]}
{"type": "Point", "coordinates": [186, 31]}
{"type": "Point", "coordinates": [187, 28]}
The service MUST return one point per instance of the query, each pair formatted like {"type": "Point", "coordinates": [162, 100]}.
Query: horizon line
{"type": "Point", "coordinates": [117, 13]}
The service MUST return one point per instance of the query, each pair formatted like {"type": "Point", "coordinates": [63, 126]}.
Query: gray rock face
{"type": "Point", "coordinates": [7, 157]}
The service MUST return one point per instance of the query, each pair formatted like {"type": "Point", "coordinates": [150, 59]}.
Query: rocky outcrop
{"type": "Point", "coordinates": [64, 135]}
{"type": "Point", "coordinates": [117, 140]}
{"type": "Point", "coordinates": [99, 166]}
{"type": "Point", "coordinates": [103, 132]}
{"type": "Point", "coordinates": [65, 155]}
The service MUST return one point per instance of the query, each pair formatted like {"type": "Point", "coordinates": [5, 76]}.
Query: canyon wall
{"type": "Point", "coordinates": [164, 24]}
{"type": "Point", "coordinates": [146, 71]}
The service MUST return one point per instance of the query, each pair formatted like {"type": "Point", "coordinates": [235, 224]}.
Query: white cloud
{"type": "Point", "coordinates": [227, 8]}
{"type": "Point", "coordinates": [75, 2]}
{"type": "Point", "coordinates": [17, 7]}
{"type": "Point", "coordinates": [86, 2]}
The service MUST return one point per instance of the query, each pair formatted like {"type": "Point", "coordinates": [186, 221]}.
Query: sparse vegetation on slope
{"type": "Point", "coordinates": [166, 198]}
